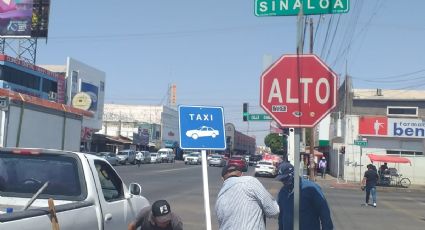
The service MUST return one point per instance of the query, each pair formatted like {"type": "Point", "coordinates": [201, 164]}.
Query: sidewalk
{"type": "Point", "coordinates": [331, 182]}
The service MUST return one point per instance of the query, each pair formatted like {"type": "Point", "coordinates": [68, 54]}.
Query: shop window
{"type": "Point", "coordinates": [404, 153]}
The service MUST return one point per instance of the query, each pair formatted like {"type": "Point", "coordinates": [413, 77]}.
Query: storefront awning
{"type": "Point", "coordinates": [388, 159]}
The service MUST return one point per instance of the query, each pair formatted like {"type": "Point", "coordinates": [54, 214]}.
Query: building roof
{"type": "Point", "coordinates": [55, 68]}
{"type": "Point", "coordinates": [43, 103]}
{"type": "Point", "coordinates": [388, 94]}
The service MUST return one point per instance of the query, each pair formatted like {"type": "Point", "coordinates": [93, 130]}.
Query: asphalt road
{"type": "Point", "coordinates": [181, 185]}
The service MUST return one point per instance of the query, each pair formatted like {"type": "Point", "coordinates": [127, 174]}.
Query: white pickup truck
{"type": "Point", "coordinates": [87, 192]}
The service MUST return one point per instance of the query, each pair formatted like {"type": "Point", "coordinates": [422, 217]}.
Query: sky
{"type": "Point", "coordinates": [214, 51]}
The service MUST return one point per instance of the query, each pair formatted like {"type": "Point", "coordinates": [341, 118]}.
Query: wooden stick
{"type": "Point", "coordinates": [53, 217]}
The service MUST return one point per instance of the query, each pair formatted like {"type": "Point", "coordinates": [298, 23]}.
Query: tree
{"type": "Point", "coordinates": [274, 142]}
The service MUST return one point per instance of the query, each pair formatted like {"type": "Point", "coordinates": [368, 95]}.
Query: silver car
{"type": "Point", "coordinates": [110, 157]}
{"type": "Point", "coordinates": [216, 160]}
{"type": "Point", "coordinates": [127, 156]}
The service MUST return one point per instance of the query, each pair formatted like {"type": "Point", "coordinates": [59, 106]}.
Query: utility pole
{"type": "Point", "coordinates": [312, 164]}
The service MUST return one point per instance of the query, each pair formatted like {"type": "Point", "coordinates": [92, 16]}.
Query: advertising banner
{"type": "Point", "coordinates": [24, 18]}
{"type": "Point", "coordinates": [93, 91]}
{"type": "Point", "coordinates": [391, 127]}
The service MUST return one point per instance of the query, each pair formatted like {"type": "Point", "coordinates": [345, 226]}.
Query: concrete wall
{"type": "Point", "coordinates": [42, 128]}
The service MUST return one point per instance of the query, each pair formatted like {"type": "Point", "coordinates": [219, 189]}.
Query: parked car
{"type": "Point", "coordinates": [193, 158]}
{"type": "Point", "coordinates": [216, 160]}
{"type": "Point", "coordinates": [155, 158]}
{"type": "Point", "coordinates": [202, 131]}
{"type": "Point", "coordinates": [239, 161]}
{"type": "Point", "coordinates": [166, 155]}
{"type": "Point", "coordinates": [87, 191]}
{"type": "Point", "coordinates": [127, 156]}
{"type": "Point", "coordinates": [266, 168]}
{"type": "Point", "coordinates": [110, 157]}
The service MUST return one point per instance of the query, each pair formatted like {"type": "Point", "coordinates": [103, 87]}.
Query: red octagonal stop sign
{"type": "Point", "coordinates": [298, 90]}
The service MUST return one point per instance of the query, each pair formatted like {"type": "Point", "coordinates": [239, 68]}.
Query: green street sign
{"type": "Point", "coordinates": [292, 7]}
{"type": "Point", "coordinates": [360, 143]}
{"type": "Point", "coordinates": [259, 117]}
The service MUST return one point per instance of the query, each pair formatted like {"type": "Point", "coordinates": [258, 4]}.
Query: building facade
{"type": "Point", "coordinates": [158, 123]}
{"type": "Point", "coordinates": [237, 142]}
{"type": "Point", "coordinates": [391, 122]}
{"type": "Point", "coordinates": [85, 89]}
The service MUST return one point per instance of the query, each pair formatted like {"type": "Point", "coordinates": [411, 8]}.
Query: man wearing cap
{"type": "Point", "coordinates": [322, 166]}
{"type": "Point", "coordinates": [243, 202]}
{"type": "Point", "coordinates": [157, 217]}
{"type": "Point", "coordinates": [314, 209]}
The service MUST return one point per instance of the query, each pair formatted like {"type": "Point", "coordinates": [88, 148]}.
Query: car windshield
{"type": "Point", "coordinates": [265, 163]}
{"type": "Point", "coordinates": [122, 153]}
{"type": "Point", "coordinates": [194, 154]}
{"type": "Point", "coordinates": [216, 157]}
{"type": "Point", "coordinates": [153, 154]}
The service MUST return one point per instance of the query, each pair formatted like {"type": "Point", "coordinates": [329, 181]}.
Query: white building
{"type": "Point", "coordinates": [392, 122]}
{"type": "Point", "coordinates": [125, 120]}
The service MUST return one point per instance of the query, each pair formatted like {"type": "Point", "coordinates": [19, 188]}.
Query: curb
{"type": "Point", "coordinates": [350, 185]}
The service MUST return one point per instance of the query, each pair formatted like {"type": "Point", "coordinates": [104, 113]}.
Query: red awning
{"type": "Point", "coordinates": [388, 159]}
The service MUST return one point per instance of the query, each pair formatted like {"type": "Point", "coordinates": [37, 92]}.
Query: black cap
{"type": "Point", "coordinates": [230, 168]}
{"type": "Point", "coordinates": [286, 172]}
{"type": "Point", "coordinates": [161, 210]}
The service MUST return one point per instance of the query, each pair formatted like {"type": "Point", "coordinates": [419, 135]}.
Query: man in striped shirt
{"type": "Point", "coordinates": [243, 202]}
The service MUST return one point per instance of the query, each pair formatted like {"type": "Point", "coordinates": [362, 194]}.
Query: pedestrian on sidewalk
{"type": "Point", "coordinates": [243, 202]}
{"type": "Point", "coordinates": [322, 166]}
{"type": "Point", "coordinates": [156, 217]}
{"type": "Point", "coordinates": [314, 210]}
{"type": "Point", "coordinates": [369, 184]}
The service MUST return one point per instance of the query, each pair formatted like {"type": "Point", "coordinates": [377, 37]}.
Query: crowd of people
{"type": "Point", "coordinates": [244, 203]}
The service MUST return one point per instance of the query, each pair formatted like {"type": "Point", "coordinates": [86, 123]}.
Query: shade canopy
{"type": "Point", "coordinates": [388, 159]}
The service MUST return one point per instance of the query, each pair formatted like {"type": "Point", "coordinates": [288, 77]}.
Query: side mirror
{"type": "Point", "coordinates": [135, 189]}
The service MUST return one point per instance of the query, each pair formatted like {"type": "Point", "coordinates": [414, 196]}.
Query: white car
{"type": "Point", "coordinates": [193, 158]}
{"type": "Point", "coordinates": [203, 131]}
{"type": "Point", "coordinates": [155, 158]}
{"type": "Point", "coordinates": [265, 168]}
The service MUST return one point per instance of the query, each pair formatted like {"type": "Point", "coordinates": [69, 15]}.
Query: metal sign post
{"type": "Point", "coordinates": [297, 133]}
{"type": "Point", "coordinates": [206, 190]}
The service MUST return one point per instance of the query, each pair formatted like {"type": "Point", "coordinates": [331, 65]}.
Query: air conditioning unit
{"type": "Point", "coordinates": [52, 96]}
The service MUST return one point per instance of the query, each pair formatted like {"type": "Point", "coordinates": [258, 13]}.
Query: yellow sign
{"type": "Point", "coordinates": [81, 101]}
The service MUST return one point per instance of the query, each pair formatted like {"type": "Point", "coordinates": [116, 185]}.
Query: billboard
{"type": "Point", "coordinates": [92, 91]}
{"type": "Point", "coordinates": [24, 18]}
{"type": "Point", "coordinates": [391, 127]}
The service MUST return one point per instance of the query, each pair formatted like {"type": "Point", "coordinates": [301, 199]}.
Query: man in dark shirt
{"type": "Point", "coordinates": [369, 184]}
{"type": "Point", "coordinates": [314, 210]}
{"type": "Point", "coordinates": [157, 217]}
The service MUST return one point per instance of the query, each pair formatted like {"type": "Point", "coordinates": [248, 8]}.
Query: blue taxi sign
{"type": "Point", "coordinates": [201, 127]}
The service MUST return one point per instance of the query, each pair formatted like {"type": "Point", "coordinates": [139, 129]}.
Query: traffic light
{"type": "Point", "coordinates": [245, 112]}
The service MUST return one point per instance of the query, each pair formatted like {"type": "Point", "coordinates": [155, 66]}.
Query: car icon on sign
{"type": "Point", "coordinates": [203, 131]}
